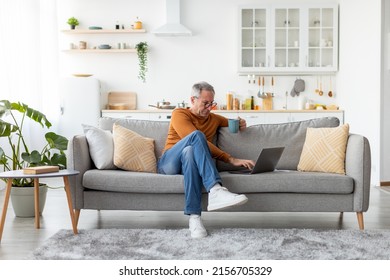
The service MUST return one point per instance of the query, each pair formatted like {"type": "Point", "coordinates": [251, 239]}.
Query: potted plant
{"type": "Point", "coordinates": [17, 154]}
{"type": "Point", "coordinates": [73, 22]}
{"type": "Point", "coordinates": [142, 52]}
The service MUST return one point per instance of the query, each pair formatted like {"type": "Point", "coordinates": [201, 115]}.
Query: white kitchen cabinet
{"type": "Point", "coordinates": [128, 114]}
{"type": "Point", "coordinates": [286, 116]}
{"type": "Point", "coordinates": [252, 117]}
{"type": "Point", "coordinates": [157, 116]}
{"type": "Point", "coordinates": [227, 114]}
{"type": "Point", "coordinates": [288, 39]}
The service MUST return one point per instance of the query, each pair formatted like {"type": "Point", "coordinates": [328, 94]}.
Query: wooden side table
{"type": "Point", "coordinates": [10, 175]}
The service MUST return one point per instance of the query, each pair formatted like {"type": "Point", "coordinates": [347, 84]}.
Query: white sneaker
{"type": "Point", "coordinates": [221, 198]}
{"type": "Point", "coordinates": [196, 227]}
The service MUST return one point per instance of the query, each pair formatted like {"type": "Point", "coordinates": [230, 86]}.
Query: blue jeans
{"type": "Point", "coordinates": [191, 157]}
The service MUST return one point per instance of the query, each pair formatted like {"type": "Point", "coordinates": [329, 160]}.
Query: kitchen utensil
{"type": "Point", "coordinates": [330, 93]}
{"type": "Point", "coordinates": [317, 88]}
{"type": "Point", "coordinates": [263, 82]}
{"type": "Point", "coordinates": [182, 105]}
{"type": "Point", "coordinates": [263, 94]}
{"type": "Point", "coordinates": [122, 99]}
{"type": "Point", "coordinates": [163, 105]}
{"type": "Point", "coordinates": [167, 107]}
{"type": "Point", "coordinates": [320, 93]}
{"type": "Point", "coordinates": [267, 103]}
{"type": "Point", "coordinates": [118, 106]}
{"type": "Point", "coordinates": [259, 83]}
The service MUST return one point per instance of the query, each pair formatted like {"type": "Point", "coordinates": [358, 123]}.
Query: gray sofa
{"type": "Point", "coordinates": [285, 190]}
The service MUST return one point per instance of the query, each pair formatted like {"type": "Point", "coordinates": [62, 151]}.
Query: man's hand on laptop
{"type": "Point", "coordinates": [242, 162]}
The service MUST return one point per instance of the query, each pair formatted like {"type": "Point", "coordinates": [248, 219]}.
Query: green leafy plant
{"type": "Point", "coordinates": [73, 21]}
{"type": "Point", "coordinates": [20, 155]}
{"type": "Point", "coordinates": [142, 52]}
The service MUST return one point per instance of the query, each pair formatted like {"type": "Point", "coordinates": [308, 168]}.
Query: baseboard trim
{"type": "Point", "coordinates": [385, 184]}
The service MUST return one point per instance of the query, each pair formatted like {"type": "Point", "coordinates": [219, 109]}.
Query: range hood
{"type": "Point", "coordinates": [173, 27]}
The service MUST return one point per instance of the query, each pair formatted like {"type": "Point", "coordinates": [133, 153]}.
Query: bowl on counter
{"type": "Point", "coordinates": [104, 47]}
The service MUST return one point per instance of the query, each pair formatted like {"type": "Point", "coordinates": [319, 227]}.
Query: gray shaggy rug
{"type": "Point", "coordinates": [227, 243]}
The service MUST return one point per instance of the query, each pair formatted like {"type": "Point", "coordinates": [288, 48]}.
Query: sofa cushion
{"type": "Point", "coordinates": [157, 130]}
{"type": "Point", "coordinates": [289, 181]}
{"type": "Point", "coordinates": [132, 151]}
{"type": "Point", "coordinates": [270, 182]}
{"type": "Point", "coordinates": [101, 146]}
{"type": "Point", "coordinates": [248, 143]}
{"type": "Point", "coordinates": [136, 182]}
{"type": "Point", "coordinates": [324, 150]}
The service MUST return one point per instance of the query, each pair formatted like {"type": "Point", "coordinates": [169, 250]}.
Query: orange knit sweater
{"type": "Point", "coordinates": [183, 122]}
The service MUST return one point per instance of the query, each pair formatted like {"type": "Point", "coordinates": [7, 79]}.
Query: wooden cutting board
{"type": "Point", "coordinates": [268, 102]}
{"type": "Point", "coordinates": [122, 100]}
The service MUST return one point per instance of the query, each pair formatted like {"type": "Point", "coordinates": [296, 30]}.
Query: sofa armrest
{"type": "Point", "coordinates": [358, 166]}
{"type": "Point", "coordinates": [78, 159]}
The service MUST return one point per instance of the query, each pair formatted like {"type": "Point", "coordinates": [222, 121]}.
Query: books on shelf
{"type": "Point", "coordinates": [40, 169]}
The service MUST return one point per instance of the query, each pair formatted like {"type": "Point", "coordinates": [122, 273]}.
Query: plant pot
{"type": "Point", "coordinates": [22, 199]}
{"type": "Point", "coordinates": [73, 27]}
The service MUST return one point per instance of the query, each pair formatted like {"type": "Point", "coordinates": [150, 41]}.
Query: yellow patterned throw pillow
{"type": "Point", "coordinates": [324, 149]}
{"type": "Point", "coordinates": [132, 151]}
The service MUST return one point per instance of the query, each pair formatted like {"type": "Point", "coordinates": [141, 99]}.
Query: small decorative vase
{"type": "Point", "coordinates": [22, 199]}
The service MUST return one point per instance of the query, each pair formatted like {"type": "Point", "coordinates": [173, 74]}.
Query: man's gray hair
{"type": "Point", "coordinates": [198, 87]}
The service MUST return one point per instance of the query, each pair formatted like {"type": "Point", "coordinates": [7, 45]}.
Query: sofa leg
{"type": "Point", "coordinates": [77, 215]}
{"type": "Point", "coordinates": [341, 215]}
{"type": "Point", "coordinates": [360, 220]}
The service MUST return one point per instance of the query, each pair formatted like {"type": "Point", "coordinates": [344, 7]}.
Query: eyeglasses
{"type": "Point", "coordinates": [208, 104]}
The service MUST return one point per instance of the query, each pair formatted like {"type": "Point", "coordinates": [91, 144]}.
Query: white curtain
{"type": "Point", "coordinates": [29, 53]}
{"type": "Point", "coordinates": [29, 61]}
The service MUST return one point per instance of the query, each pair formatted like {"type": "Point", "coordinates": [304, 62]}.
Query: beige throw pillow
{"type": "Point", "coordinates": [324, 149]}
{"type": "Point", "coordinates": [132, 151]}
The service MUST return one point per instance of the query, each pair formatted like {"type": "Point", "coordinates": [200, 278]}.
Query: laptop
{"type": "Point", "coordinates": [266, 162]}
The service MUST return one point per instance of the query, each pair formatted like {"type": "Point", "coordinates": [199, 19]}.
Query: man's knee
{"type": "Point", "coordinates": [188, 153]}
{"type": "Point", "coordinates": [198, 134]}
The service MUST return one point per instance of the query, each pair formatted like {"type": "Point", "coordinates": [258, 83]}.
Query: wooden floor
{"type": "Point", "coordinates": [20, 237]}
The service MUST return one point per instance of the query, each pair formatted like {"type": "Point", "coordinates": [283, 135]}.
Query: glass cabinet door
{"type": "Point", "coordinates": [253, 38]}
{"type": "Point", "coordinates": [321, 41]}
{"type": "Point", "coordinates": [287, 38]}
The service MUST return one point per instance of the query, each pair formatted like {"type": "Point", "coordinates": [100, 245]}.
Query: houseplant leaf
{"type": "Point", "coordinates": [56, 141]}
{"type": "Point", "coordinates": [19, 155]}
{"type": "Point", "coordinates": [31, 113]}
{"type": "Point", "coordinates": [6, 129]}
{"type": "Point", "coordinates": [33, 159]}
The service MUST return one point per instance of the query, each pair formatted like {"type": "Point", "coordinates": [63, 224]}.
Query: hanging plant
{"type": "Point", "coordinates": [142, 52]}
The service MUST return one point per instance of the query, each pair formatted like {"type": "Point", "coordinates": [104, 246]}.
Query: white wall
{"type": "Point", "coordinates": [359, 78]}
{"type": "Point", "coordinates": [385, 101]}
{"type": "Point", "coordinates": [175, 63]}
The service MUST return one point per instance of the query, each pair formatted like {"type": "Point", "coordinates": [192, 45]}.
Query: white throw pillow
{"type": "Point", "coordinates": [101, 146]}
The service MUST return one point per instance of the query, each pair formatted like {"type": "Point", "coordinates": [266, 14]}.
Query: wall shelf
{"type": "Point", "coordinates": [103, 31]}
{"type": "Point", "coordinates": [101, 51]}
